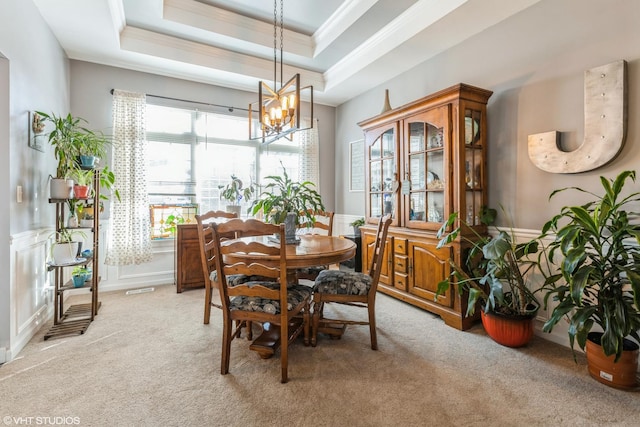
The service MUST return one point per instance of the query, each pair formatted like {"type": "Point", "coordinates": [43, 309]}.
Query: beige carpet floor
{"type": "Point", "coordinates": [147, 360]}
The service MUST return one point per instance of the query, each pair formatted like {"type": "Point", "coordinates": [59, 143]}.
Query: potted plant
{"type": "Point", "coordinates": [356, 224]}
{"type": "Point", "coordinates": [83, 178]}
{"type": "Point", "coordinates": [597, 282]}
{"type": "Point", "coordinates": [494, 276]}
{"type": "Point", "coordinates": [63, 138]}
{"type": "Point", "coordinates": [80, 275]}
{"type": "Point", "coordinates": [284, 200]}
{"type": "Point", "coordinates": [64, 249]}
{"type": "Point", "coordinates": [234, 192]}
{"type": "Point", "coordinates": [91, 146]}
{"type": "Point", "coordinates": [71, 139]}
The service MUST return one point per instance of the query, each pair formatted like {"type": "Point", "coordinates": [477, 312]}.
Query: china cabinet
{"type": "Point", "coordinates": [75, 319]}
{"type": "Point", "coordinates": [425, 160]}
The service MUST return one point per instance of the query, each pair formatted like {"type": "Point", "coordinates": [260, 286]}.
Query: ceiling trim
{"type": "Point", "coordinates": [135, 39]}
{"type": "Point", "coordinates": [220, 21]}
{"type": "Point", "coordinates": [339, 21]}
{"type": "Point", "coordinates": [412, 21]}
{"type": "Point", "coordinates": [116, 8]}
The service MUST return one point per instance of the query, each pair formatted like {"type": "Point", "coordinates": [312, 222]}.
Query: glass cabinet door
{"type": "Point", "coordinates": [425, 172]}
{"type": "Point", "coordinates": [473, 164]}
{"type": "Point", "coordinates": [382, 173]}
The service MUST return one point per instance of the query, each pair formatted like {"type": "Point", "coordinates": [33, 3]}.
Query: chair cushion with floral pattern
{"type": "Point", "coordinates": [311, 271]}
{"type": "Point", "coordinates": [235, 279]}
{"type": "Point", "coordinates": [295, 295]}
{"type": "Point", "coordinates": [342, 282]}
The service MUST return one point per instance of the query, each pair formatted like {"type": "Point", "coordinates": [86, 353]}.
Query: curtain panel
{"type": "Point", "coordinates": [309, 163]}
{"type": "Point", "coordinates": [129, 239]}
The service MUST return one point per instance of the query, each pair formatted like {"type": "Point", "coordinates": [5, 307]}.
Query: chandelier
{"type": "Point", "coordinates": [278, 111]}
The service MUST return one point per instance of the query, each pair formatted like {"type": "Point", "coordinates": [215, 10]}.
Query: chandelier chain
{"type": "Point", "coordinates": [275, 38]}
{"type": "Point", "coordinates": [281, 38]}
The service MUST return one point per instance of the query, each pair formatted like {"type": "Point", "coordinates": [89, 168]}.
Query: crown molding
{"type": "Point", "coordinates": [412, 21]}
{"type": "Point", "coordinates": [340, 21]}
{"type": "Point", "coordinates": [223, 22]}
{"type": "Point", "coordinates": [135, 39]}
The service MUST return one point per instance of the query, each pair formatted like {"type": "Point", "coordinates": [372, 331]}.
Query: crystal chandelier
{"type": "Point", "coordinates": [278, 110]}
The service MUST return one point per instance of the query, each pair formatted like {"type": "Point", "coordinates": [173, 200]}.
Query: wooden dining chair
{"type": "Point", "coordinates": [274, 302]}
{"type": "Point", "coordinates": [351, 288]}
{"type": "Point", "coordinates": [205, 237]}
{"type": "Point", "coordinates": [322, 223]}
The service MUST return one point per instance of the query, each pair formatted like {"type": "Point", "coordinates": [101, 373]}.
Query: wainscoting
{"type": "Point", "coordinates": [31, 287]}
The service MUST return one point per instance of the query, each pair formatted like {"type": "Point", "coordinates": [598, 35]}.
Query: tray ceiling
{"type": "Point", "coordinates": [341, 47]}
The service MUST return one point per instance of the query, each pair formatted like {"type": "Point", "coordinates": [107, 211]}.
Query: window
{"type": "Point", "coordinates": [192, 152]}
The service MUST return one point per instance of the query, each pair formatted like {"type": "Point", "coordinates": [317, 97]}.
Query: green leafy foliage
{"type": "Point", "coordinates": [282, 195]}
{"type": "Point", "coordinates": [597, 281]}
{"type": "Point", "coordinates": [495, 269]}
{"type": "Point", "coordinates": [234, 192]}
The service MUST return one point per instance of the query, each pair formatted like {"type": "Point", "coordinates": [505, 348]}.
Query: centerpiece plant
{"type": "Point", "coordinates": [596, 286]}
{"type": "Point", "coordinates": [284, 200]}
{"type": "Point", "coordinates": [494, 276]}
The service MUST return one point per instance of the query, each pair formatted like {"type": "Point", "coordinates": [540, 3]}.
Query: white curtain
{"type": "Point", "coordinates": [130, 231]}
{"type": "Point", "coordinates": [309, 166]}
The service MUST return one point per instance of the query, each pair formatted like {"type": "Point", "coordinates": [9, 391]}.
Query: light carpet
{"type": "Point", "coordinates": [148, 360]}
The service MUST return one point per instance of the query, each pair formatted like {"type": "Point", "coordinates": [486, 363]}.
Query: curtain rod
{"type": "Point", "coordinates": [229, 107]}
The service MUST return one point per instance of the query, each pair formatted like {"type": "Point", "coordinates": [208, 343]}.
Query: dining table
{"type": "Point", "coordinates": [309, 251]}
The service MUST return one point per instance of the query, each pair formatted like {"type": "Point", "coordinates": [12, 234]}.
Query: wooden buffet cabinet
{"type": "Point", "coordinates": [188, 268]}
{"type": "Point", "coordinates": [426, 160]}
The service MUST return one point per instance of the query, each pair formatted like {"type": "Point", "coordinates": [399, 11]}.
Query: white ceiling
{"type": "Point", "coordinates": [341, 47]}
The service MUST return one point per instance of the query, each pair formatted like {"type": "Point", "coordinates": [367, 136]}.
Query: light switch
{"type": "Point", "coordinates": [19, 194]}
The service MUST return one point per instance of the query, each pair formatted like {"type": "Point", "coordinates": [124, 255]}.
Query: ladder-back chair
{"type": "Point", "coordinates": [260, 301]}
{"type": "Point", "coordinates": [351, 288]}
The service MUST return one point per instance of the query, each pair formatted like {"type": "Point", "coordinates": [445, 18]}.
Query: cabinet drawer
{"type": "Point", "coordinates": [400, 281]}
{"type": "Point", "coordinates": [188, 232]}
{"type": "Point", "coordinates": [400, 246]}
{"type": "Point", "coordinates": [401, 264]}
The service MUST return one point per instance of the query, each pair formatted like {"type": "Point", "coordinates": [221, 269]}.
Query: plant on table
{"type": "Point", "coordinates": [282, 195]}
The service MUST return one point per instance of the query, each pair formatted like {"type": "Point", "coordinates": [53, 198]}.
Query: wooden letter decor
{"type": "Point", "coordinates": [605, 125]}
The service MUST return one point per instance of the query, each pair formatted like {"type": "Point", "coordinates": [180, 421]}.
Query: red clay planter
{"type": "Point", "coordinates": [509, 331]}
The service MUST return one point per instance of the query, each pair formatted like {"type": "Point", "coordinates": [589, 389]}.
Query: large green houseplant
{"type": "Point", "coordinates": [70, 139]}
{"type": "Point", "coordinates": [282, 197]}
{"type": "Point", "coordinates": [64, 138]}
{"type": "Point", "coordinates": [598, 278]}
{"type": "Point", "coordinates": [494, 276]}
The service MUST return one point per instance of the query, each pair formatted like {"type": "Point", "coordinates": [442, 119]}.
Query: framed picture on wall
{"type": "Point", "coordinates": [356, 165]}
{"type": "Point", "coordinates": [37, 136]}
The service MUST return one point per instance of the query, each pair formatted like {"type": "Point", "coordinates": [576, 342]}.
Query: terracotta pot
{"type": "Point", "coordinates": [510, 331]}
{"type": "Point", "coordinates": [81, 191]}
{"type": "Point", "coordinates": [622, 374]}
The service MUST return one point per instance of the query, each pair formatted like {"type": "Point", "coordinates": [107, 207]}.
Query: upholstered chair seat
{"type": "Point", "coordinates": [296, 294]}
{"type": "Point", "coordinates": [339, 282]}
{"type": "Point", "coordinates": [350, 288]}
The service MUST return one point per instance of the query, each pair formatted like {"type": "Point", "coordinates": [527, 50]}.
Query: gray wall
{"type": "Point", "coordinates": [534, 63]}
{"type": "Point", "coordinates": [34, 76]}
{"type": "Point", "coordinates": [91, 99]}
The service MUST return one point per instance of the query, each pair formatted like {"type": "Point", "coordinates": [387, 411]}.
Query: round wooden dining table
{"type": "Point", "coordinates": [311, 250]}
